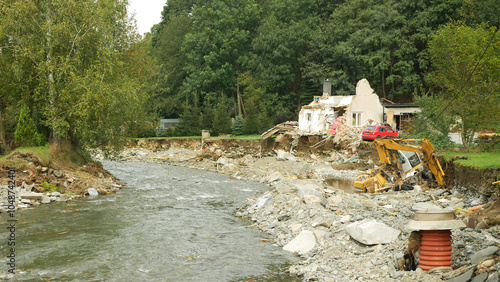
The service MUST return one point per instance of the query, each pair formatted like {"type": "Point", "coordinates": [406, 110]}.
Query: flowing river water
{"type": "Point", "coordinates": [169, 224]}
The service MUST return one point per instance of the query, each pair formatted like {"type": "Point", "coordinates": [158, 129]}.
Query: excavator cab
{"type": "Point", "coordinates": [400, 163]}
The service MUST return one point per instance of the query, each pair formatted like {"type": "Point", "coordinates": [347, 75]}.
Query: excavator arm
{"type": "Point", "coordinates": [387, 152]}
{"type": "Point", "coordinates": [384, 145]}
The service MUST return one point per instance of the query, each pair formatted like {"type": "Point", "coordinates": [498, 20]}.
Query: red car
{"type": "Point", "coordinates": [373, 132]}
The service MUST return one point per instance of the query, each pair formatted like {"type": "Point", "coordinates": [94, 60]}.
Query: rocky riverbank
{"type": "Point", "coordinates": [339, 234]}
{"type": "Point", "coordinates": [35, 182]}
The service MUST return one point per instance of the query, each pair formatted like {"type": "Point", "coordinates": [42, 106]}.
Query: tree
{"type": "Point", "coordinates": [217, 47]}
{"type": "Point", "coordinates": [466, 77]}
{"type": "Point", "coordinates": [26, 133]}
{"type": "Point", "coordinates": [222, 120]}
{"type": "Point", "coordinates": [237, 127]}
{"type": "Point", "coordinates": [166, 46]}
{"type": "Point", "coordinates": [74, 61]}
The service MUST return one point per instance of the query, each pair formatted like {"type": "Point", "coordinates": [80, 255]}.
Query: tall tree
{"type": "Point", "coordinates": [218, 46]}
{"type": "Point", "coordinates": [76, 56]}
{"type": "Point", "coordinates": [466, 76]}
{"type": "Point", "coordinates": [167, 40]}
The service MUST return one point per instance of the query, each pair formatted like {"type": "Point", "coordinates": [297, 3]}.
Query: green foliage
{"type": "Point", "coordinates": [237, 127]}
{"type": "Point", "coordinates": [222, 119]}
{"type": "Point", "coordinates": [252, 123]}
{"type": "Point", "coordinates": [79, 63]}
{"type": "Point", "coordinates": [427, 124]}
{"type": "Point", "coordinates": [190, 121]}
{"type": "Point", "coordinates": [468, 91]}
{"type": "Point", "coordinates": [48, 187]}
{"type": "Point", "coordinates": [26, 133]}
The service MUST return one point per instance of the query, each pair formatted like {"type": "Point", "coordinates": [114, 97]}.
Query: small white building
{"type": "Point", "coordinates": [359, 109]}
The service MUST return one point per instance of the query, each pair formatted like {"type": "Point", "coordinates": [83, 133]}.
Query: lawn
{"type": "Point", "coordinates": [476, 160]}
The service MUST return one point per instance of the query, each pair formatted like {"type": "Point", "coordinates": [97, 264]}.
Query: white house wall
{"type": "Point", "coordinates": [367, 103]}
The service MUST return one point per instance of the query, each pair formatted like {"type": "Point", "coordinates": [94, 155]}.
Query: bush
{"type": "Point", "coordinates": [26, 133]}
{"type": "Point", "coordinates": [237, 126]}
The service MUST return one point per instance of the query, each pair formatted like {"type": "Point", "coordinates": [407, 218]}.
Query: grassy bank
{"type": "Point", "coordinates": [474, 160]}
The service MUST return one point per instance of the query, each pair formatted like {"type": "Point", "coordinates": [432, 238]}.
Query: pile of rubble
{"type": "Point", "coordinates": [341, 235]}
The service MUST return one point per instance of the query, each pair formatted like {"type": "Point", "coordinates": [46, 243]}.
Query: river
{"type": "Point", "coordinates": [169, 223]}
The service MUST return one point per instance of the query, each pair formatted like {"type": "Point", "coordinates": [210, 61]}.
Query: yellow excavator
{"type": "Point", "coordinates": [402, 166]}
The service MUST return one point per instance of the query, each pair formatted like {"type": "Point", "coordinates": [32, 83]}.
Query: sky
{"type": "Point", "coordinates": [148, 13]}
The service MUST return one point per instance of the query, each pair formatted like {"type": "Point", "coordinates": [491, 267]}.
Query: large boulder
{"type": "Point", "coordinates": [372, 232]}
{"type": "Point", "coordinates": [302, 244]}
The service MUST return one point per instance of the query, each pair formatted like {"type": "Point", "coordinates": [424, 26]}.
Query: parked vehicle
{"type": "Point", "coordinates": [372, 132]}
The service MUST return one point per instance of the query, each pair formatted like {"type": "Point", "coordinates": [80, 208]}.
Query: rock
{"type": "Point", "coordinates": [494, 277]}
{"type": "Point", "coordinates": [57, 173]}
{"type": "Point", "coordinates": [27, 187]}
{"type": "Point", "coordinates": [398, 275]}
{"type": "Point", "coordinates": [223, 161]}
{"type": "Point", "coordinates": [55, 194]}
{"type": "Point", "coordinates": [263, 201]}
{"type": "Point", "coordinates": [425, 206]}
{"type": "Point", "coordinates": [308, 188]}
{"type": "Point", "coordinates": [26, 201]}
{"type": "Point", "coordinates": [30, 195]}
{"type": "Point", "coordinates": [371, 232]}
{"type": "Point", "coordinates": [285, 188]}
{"type": "Point", "coordinates": [302, 244]}
{"type": "Point", "coordinates": [285, 156]}
{"type": "Point", "coordinates": [92, 192]}
{"type": "Point", "coordinates": [45, 199]}
{"type": "Point", "coordinates": [466, 276]}
{"type": "Point", "coordinates": [483, 254]}
{"type": "Point", "coordinates": [311, 199]}
{"type": "Point", "coordinates": [481, 277]}
{"type": "Point", "coordinates": [45, 169]}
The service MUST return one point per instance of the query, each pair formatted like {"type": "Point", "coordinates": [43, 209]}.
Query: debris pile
{"type": "Point", "coordinates": [335, 231]}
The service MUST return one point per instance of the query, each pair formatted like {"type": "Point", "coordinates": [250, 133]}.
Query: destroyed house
{"type": "Point", "coordinates": [357, 110]}
{"type": "Point", "coordinates": [399, 115]}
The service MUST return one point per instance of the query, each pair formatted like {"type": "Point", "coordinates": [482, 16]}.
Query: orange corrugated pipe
{"type": "Point", "coordinates": [435, 249]}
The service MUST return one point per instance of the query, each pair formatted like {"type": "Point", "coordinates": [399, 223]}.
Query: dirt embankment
{"type": "Point", "coordinates": [37, 181]}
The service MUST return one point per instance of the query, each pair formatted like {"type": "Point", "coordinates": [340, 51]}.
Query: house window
{"type": "Point", "coordinates": [357, 119]}
{"type": "Point", "coordinates": [309, 117]}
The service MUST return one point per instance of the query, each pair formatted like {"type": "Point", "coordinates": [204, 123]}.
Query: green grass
{"type": "Point", "coordinates": [475, 160]}
{"type": "Point", "coordinates": [42, 152]}
{"type": "Point", "coordinates": [249, 137]}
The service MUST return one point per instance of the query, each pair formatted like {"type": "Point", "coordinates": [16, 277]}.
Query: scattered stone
{"type": "Point", "coordinates": [30, 195]}
{"type": "Point", "coordinates": [263, 201]}
{"type": "Point", "coordinates": [57, 173]}
{"type": "Point", "coordinates": [481, 277]}
{"type": "Point", "coordinates": [92, 192]}
{"type": "Point", "coordinates": [302, 244]}
{"type": "Point", "coordinates": [371, 232]}
{"type": "Point", "coordinates": [483, 254]}
{"type": "Point", "coordinates": [45, 200]}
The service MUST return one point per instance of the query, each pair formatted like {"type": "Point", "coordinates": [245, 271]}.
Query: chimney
{"type": "Point", "coordinates": [327, 87]}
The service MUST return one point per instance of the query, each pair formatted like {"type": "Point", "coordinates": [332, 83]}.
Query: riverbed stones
{"type": "Point", "coordinates": [483, 254]}
{"type": "Point", "coordinates": [57, 173]}
{"type": "Point", "coordinates": [30, 195]}
{"type": "Point", "coordinates": [92, 192]}
{"type": "Point", "coordinates": [302, 244]}
{"type": "Point", "coordinates": [45, 199]}
{"type": "Point", "coordinates": [372, 232]}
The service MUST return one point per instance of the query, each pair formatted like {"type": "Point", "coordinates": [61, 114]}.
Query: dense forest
{"type": "Point", "coordinates": [78, 71]}
{"type": "Point", "coordinates": [262, 59]}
